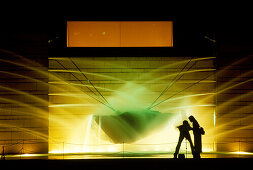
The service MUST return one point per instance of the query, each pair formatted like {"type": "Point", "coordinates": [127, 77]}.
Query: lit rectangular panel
{"type": "Point", "coordinates": [147, 34]}
{"type": "Point", "coordinates": [119, 34]}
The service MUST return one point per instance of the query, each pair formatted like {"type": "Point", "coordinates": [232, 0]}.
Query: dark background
{"type": "Point", "coordinates": [40, 29]}
{"type": "Point", "coordinates": [27, 29]}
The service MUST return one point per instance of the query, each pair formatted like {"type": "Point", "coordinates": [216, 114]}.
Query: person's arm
{"type": "Point", "coordinates": [189, 128]}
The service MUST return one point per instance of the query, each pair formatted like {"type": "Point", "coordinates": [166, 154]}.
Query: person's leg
{"type": "Point", "coordinates": [181, 137]}
{"type": "Point", "coordinates": [197, 142]}
{"type": "Point", "coordinates": [197, 145]}
{"type": "Point", "coordinates": [191, 144]}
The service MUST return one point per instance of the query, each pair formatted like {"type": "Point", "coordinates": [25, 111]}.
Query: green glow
{"type": "Point", "coordinates": [131, 126]}
{"type": "Point", "coordinates": [78, 124]}
{"type": "Point", "coordinates": [129, 85]}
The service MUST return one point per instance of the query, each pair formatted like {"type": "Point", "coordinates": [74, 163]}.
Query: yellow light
{"type": "Point", "coordinates": [60, 70]}
{"type": "Point", "coordinates": [207, 150]}
{"type": "Point", "coordinates": [71, 105]}
{"type": "Point", "coordinates": [55, 152]}
{"type": "Point", "coordinates": [243, 153]}
{"type": "Point", "coordinates": [27, 154]}
{"type": "Point", "coordinates": [112, 149]}
{"type": "Point", "coordinates": [135, 88]}
{"type": "Point", "coordinates": [214, 118]}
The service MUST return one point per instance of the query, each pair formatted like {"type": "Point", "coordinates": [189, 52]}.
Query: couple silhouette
{"type": "Point", "coordinates": [184, 133]}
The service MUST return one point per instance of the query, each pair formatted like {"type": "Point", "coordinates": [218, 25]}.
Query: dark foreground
{"type": "Point", "coordinates": [156, 164]}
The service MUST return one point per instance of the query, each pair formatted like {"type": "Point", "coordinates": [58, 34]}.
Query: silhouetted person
{"type": "Point", "coordinates": [197, 132]}
{"type": "Point", "coordinates": [184, 133]}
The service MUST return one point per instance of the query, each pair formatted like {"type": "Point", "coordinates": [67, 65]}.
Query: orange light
{"type": "Point", "coordinates": [119, 34]}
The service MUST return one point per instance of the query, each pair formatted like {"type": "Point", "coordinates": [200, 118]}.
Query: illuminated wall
{"type": "Point", "coordinates": [24, 91]}
{"type": "Point", "coordinates": [24, 108]}
{"type": "Point", "coordinates": [234, 100]}
{"type": "Point", "coordinates": [119, 33]}
{"type": "Point", "coordinates": [23, 104]}
{"type": "Point", "coordinates": [127, 83]}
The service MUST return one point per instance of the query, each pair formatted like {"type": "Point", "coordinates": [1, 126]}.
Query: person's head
{"type": "Point", "coordinates": [191, 118]}
{"type": "Point", "coordinates": [185, 123]}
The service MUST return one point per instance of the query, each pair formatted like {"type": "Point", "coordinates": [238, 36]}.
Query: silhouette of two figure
{"type": "Point", "coordinates": [184, 129]}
